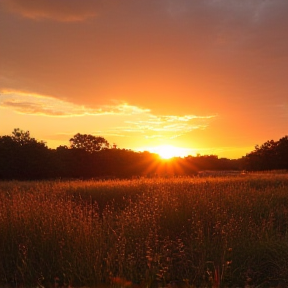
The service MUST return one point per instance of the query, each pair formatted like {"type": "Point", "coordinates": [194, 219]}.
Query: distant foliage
{"type": "Point", "coordinates": [88, 142]}
{"type": "Point", "coordinates": [269, 156]}
{"type": "Point", "coordinates": [23, 138]}
{"type": "Point", "coordinates": [25, 158]}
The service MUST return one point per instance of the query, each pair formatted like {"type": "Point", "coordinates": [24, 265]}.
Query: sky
{"type": "Point", "coordinates": [206, 77]}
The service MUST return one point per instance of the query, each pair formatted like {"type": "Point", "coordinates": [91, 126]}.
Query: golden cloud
{"type": "Point", "coordinates": [35, 104]}
{"type": "Point", "coordinates": [133, 120]}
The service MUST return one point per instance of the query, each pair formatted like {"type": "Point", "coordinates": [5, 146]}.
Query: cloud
{"type": "Point", "coordinates": [126, 120]}
{"type": "Point", "coordinates": [60, 10]}
{"type": "Point", "coordinates": [35, 104]}
{"type": "Point", "coordinates": [168, 127]}
{"type": "Point", "coordinates": [30, 108]}
{"type": "Point", "coordinates": [123, 109]}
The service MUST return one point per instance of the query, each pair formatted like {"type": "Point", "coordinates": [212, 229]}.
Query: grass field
{"type": "Point", "coordinates": [190, 232]}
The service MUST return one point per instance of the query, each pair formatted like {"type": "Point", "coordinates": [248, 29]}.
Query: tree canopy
{"type": "Point", "coordinates": [22, 138]}
{"type": "Point", "coordinates": [88, 142]}
{"type": "Point", "coordinates": [22, 157]}
{"type": "Point", "coordinates": [270, 155]}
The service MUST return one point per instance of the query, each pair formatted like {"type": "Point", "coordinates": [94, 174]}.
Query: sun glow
{"type": "Point", "coordinates": [168, 151]}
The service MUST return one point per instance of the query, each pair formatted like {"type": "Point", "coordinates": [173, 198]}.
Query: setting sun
{"type": "Point", "coordinates": [168, 151]}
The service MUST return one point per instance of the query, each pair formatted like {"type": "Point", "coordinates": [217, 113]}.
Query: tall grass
{"type": "Point", "coordinates": [206, 232]}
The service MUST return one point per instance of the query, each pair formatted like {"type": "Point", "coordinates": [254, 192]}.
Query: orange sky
{"type": "Point", "coordinates": [208, 76]}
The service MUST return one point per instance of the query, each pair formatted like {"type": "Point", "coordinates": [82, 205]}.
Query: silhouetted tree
{"type": "Point", "coordinates": [23, 137]}
{"type": "Point", "coordinates": [270, 155]}
{"type": "Point", "coordinates": [88, 142]}
{"type": "Point", "coordinates": [23, 157]}
{"type": "Point", "coordinates": [282, 153]}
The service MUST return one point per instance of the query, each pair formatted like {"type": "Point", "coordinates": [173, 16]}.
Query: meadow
{"type": "Point", "coordinates": [190, 232]}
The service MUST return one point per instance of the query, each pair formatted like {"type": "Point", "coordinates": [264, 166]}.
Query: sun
{"type": "Point", "coordinates": [168, 151]}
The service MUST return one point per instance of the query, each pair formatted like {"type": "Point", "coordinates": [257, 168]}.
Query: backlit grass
{"type": "Point", "coordinates": [221, 231]}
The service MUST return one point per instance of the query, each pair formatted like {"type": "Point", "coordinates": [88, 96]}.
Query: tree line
{"type": "Point", "coordinates": [271, 155]}
{"type": "Point", "coordinates": [25, 158]}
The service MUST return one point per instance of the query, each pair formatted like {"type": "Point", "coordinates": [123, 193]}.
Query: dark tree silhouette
{"type": "Point", "coordinates": [88, 142]}
{"type": "Point", "coordinates": [23, 157]}
{"type": "Point", "coordinates": [282, 153]}
{"type": "Point", "coordinates": [22, 137]}
{"type": "Point", "coordinates": [270, 155]}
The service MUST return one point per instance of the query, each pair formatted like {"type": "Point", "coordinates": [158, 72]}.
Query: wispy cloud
{"type": "Point", "coordinates": [34, 104]}
{"type": "Point", "coordinates": [129, 121]}
{"type": "Point", "coordinates": [167, 126]}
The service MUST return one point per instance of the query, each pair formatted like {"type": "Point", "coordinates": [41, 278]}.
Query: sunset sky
{"type": "Point", "coordinates": [209, 76]}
